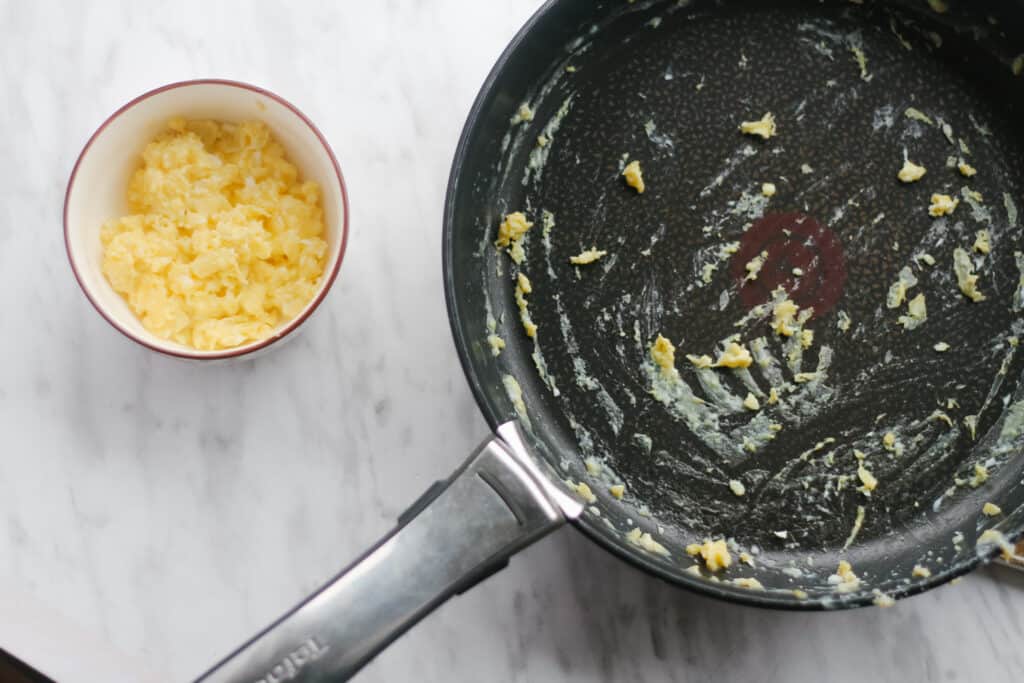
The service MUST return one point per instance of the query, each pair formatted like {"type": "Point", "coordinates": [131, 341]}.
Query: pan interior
{"type": "Point", "coordinates": [855, 89]}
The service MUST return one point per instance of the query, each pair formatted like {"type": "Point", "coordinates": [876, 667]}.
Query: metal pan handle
{"type": "Point", "coordinates": [458, 533]}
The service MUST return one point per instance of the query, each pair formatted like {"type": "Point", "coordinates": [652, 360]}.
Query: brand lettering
{"type": "Point", "coordinates": [292, 663]}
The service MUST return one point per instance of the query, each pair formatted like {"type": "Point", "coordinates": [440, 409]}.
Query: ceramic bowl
{"type": "Point", "coordinates": [97, 187]}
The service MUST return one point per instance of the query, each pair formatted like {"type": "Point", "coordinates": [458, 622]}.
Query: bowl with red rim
{"type": "Point", "coordinates": [96, 192]}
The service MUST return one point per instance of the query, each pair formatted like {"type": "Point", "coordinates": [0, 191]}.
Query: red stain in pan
{"type": "Point", "coordinates": [791, 240]}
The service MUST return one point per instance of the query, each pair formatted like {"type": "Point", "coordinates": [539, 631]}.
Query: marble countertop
{"type": "Point", "coordinates": [153, 514]}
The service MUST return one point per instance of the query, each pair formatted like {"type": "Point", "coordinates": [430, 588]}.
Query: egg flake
{"type": "Point", "coordinates": [910, 172]}
{"type": "Point", "coordinates": [634, 176]}
{"type": "Point", "coordinates": [942, 205]}
{"type": "Point", "coordinates": [991, 510]}
{"type": "Point", "coordinates": [663, 353]}
{"type": "Point", "coordinates": [966, 279]}
{"type": "Point", "coordinates": [734, 356]}
{"type": "Point", "coordinates": [715, 554]}
{"type": "Point", "coordinates": [587, 256]}
{"type": "Point", "coordinates": [763, 127]}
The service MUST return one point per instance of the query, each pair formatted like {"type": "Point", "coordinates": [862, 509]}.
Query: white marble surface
{"type": "Point", "coordinates": [153, 514]}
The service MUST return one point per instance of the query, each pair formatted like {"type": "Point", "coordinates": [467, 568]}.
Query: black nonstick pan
{"type": "Point", "coordinates": [786, 374]}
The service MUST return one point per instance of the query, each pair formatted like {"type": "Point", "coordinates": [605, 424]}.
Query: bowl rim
{"type": "Point", "coordinates": [294, 322]}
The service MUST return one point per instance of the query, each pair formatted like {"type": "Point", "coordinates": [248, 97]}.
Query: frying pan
{"type": "Point", "coordinates": [875, 442]}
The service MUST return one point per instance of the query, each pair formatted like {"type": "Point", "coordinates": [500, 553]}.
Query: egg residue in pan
{"type": "Point", "coordinates": [773, 372]}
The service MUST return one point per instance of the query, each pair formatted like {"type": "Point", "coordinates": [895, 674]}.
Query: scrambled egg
{"type": "Point", "coordinates": [869, 480]}
{"type": "Point", "coordinates": [990, 537]}
{"type": "Point", "coordinates": [664, 354]}
{"type": "Point", "coordinates": [991, 510]}
{"type": "Point", "coordinates": [617, 490]}
{"type": "Point", "coordinates": [646, 541]}
{"type": "Point", "coordinates": [584, 492]}
{"type": "Point", "coordinates": [979, 477]}
{"type": "Point", "coordinates": [512, 228]}
{"type": "Point", "coordinates": [524, 113]}
{"type": "Point", "coordinates": [942, 204]}
{"type": "Point", "coordinates": [737, 488]}
{"type": "Point", "coordinates": [966, 169]}
{"type": "Point", "coordinates": [749, 582]}
{"type": "Point", "coordinates": [844, 579]}
{"type": "Point", "coordinates": [515, 395]}
{"type": "Point", "coordinates": [634, 176]}
{"type": "Point", "coordinates": [734, 356]}
{"type": "Point", "coordinates": [523, 287]}
{"type": "Point", "coordinates": [496, 343]}
{"type": "Point", "coordinates": [910, 171]}
{"type": "Point", "coordinates": [858, 521]}
{"type": "Point", "coordinates": [588, 256]}
{"type": "Point", "coordinates": [917, 313]}
{"type": "Point", "coordinates": [920, 572]}
{"type": "Point", "coordinates": [965, 277]}
{"type": "Point", "coordinates": [764, 127]}
{"type": "Point", "coordinates": [898, 290]}
{"type": "Point", "coordinates": [784, 314]}
{"type": "Point", "coordinates": [768, 189]}
{"type": "Point", "coordinates": [510, 235]}
{"type": "Point", "coordinates": [882, 600]}
{"type": "Point", "coordinates": [715, 553]}
{"type": "Point", "coordinates": [702, 361]}
{"type": "Point", "coordinates": [751, 402]}
{"type": "Point", "coordinates": [223, 242]}
{"type": "Point", "coordinates": [755, 265]}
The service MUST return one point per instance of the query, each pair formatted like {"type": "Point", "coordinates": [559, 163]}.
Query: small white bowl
{"type": "Point", "coordinates": [97, 188]}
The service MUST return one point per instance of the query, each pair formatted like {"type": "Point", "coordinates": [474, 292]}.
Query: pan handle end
{"type": "Point", "coordinates": [459, 532]}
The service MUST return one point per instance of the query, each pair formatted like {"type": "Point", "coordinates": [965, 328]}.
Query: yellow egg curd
{"type": "Point", "coordinates": [223, 242]}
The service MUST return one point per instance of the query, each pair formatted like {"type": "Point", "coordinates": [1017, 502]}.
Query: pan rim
{"type": "Point", "coordinates": [679, 579]}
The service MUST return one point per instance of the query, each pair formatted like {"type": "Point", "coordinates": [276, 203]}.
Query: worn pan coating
{"type": "Point", "coordinates": [853, 87]}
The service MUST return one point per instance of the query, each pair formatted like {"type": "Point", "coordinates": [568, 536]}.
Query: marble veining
{"type": "Point", "coordinates": [153, 513]}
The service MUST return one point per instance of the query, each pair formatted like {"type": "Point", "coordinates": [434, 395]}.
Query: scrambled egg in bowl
{"type": "Point", "coordinates": [223, 242]}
